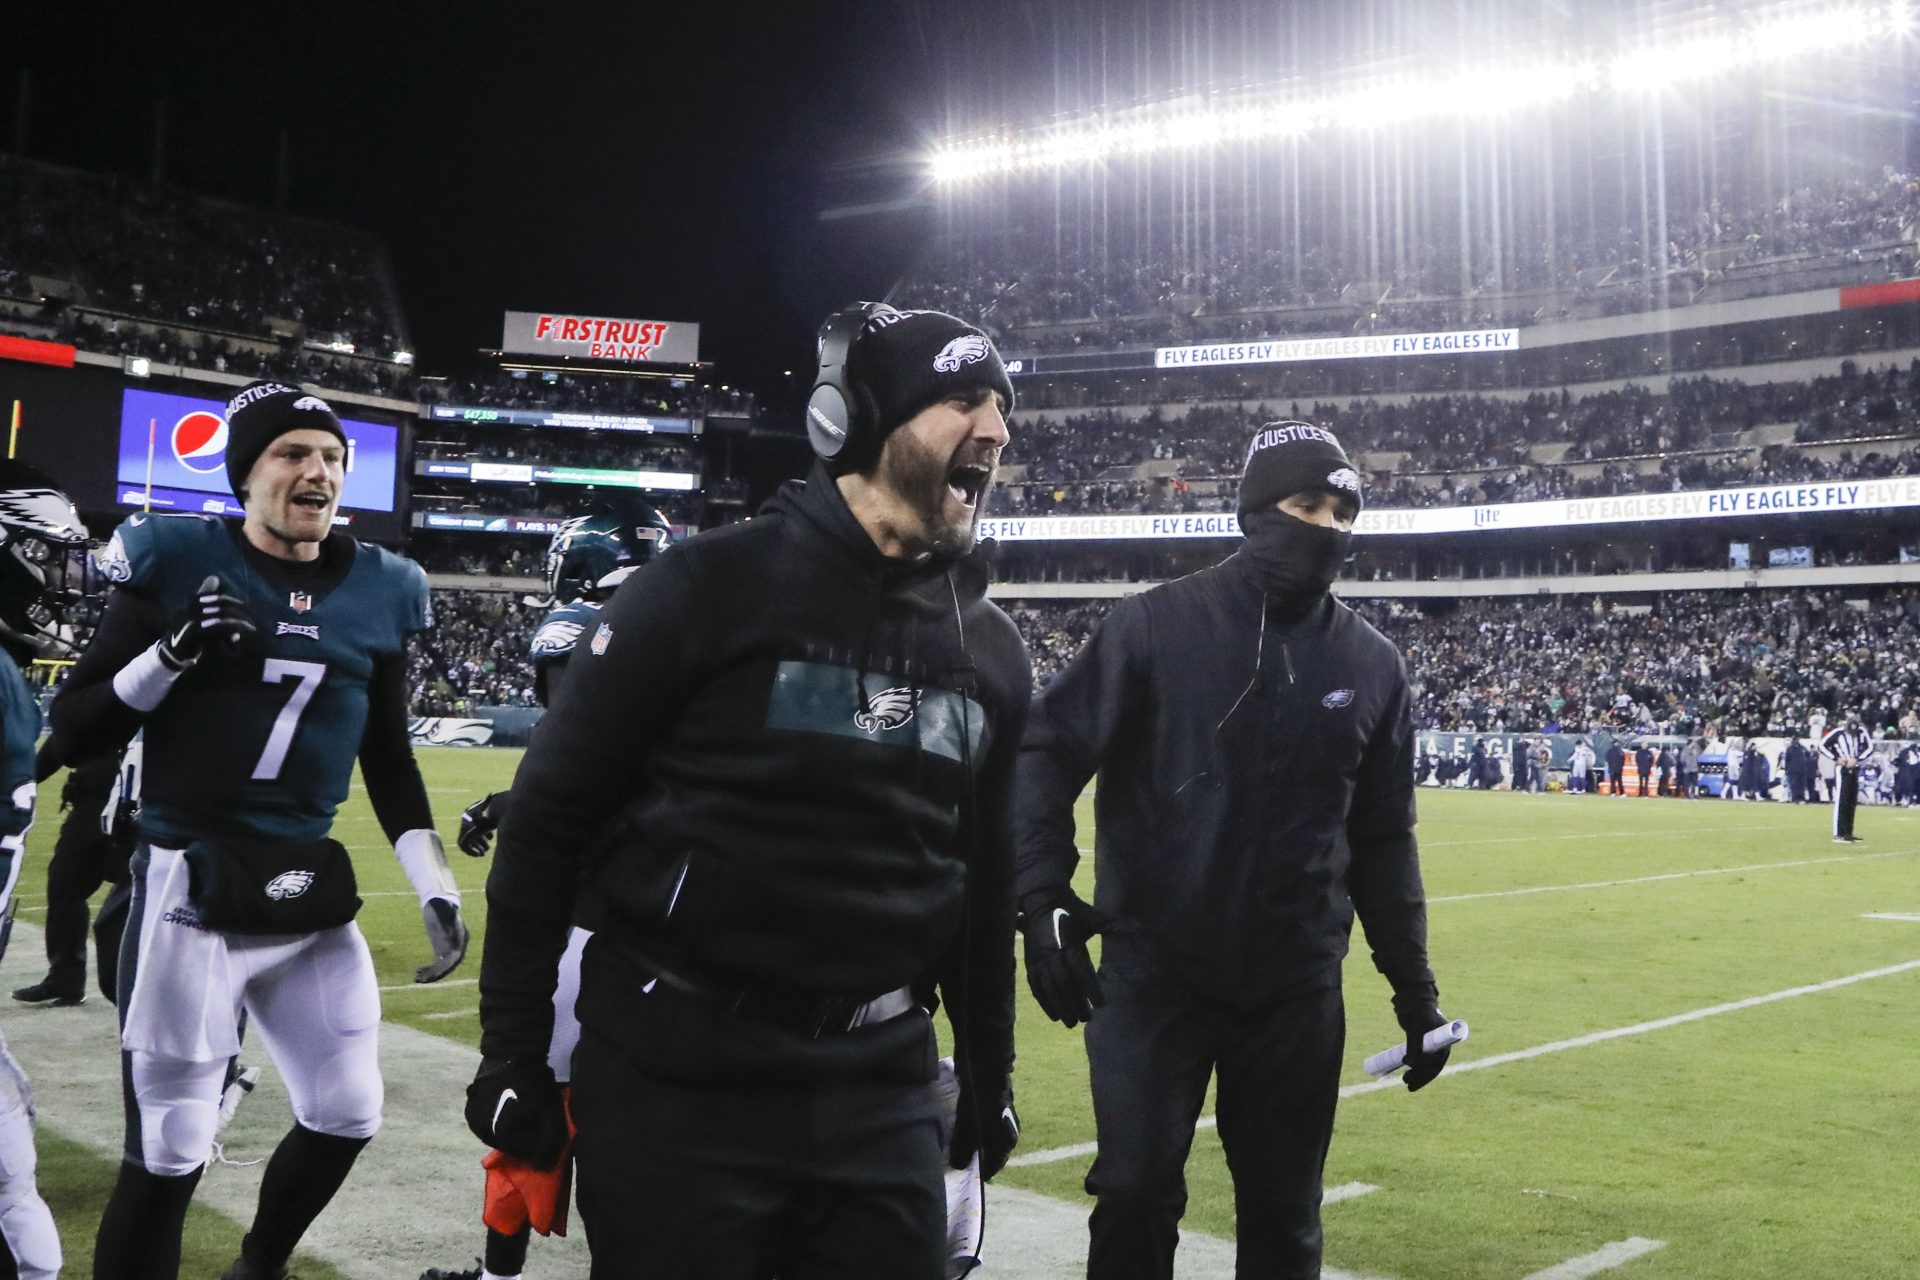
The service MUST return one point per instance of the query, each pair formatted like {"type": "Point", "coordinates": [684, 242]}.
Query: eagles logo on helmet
{"type": "Point", "coordinates": [590, 555]}
{"type": "Point", "coordinates": [47, 573]}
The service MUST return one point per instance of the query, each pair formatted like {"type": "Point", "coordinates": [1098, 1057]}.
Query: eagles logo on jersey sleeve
{"type": "Point", "coordinates": [561, 630]}
{"type": "Point", "coordinates": [130, 557]}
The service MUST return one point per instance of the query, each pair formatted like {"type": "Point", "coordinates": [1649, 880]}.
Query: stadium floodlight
{"type": "Point", "coordinates": [1479, 92]}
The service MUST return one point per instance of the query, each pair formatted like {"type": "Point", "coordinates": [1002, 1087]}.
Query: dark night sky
{"type": "Point", "coordinates": [645, 159]}
{"type": "Point", "coordinates": [634, 159]}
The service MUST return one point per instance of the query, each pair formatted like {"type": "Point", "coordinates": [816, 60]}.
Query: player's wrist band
{"type": "Point", "coordinates": [424, 858]}
{"type": "Point", "coordinates": [143, 682]}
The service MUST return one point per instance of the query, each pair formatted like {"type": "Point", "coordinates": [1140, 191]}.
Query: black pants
{"type": "Point", "coordinates": [1846, 797]}
{"type": "Point", "coordinates": [84, 858]}
{"type": "Point", "coordinates": [1151, 1050]}
{"type": "Point", "coordinates": [808, 1182]}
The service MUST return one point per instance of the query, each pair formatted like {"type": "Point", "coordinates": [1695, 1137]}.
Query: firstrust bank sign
{"type": "Point", "coordinates": [548, 333]}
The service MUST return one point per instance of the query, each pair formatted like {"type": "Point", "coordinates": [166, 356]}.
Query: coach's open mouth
{"type": "Point", "coordinates": [967, 483]}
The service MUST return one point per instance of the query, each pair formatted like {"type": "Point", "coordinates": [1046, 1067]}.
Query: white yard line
{"type": "Point", "coordinates": [1053, 1155]}
{"type": "Point", "coordinates": [432, 986]}
{"type": "Point", "coordinates": [1671, 875]}
{"type": "Point", "coordinates": [1884, 915]}
{"type": "Point", "coordinates": [1616, 1254]}
{"type": "Point", "coordinates": [1586, 835]}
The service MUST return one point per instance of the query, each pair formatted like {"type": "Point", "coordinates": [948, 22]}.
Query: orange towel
{"type": "Point", "coordinates": [518, 1193]}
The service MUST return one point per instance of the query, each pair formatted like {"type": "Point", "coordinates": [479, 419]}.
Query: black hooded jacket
{"type": "Point", "coordinates": [762, 745]}
{"type": "Point", "coordinates": [1255, 788]}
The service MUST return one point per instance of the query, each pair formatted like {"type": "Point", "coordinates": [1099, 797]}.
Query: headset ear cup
{"type": "Point", "coordinates": [829, 425]}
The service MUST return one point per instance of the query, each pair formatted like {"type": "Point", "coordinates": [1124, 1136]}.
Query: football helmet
{"type": "Point", "coordinates": [47, 574]}
{"type": "Point", "coordinates": [590, 555]}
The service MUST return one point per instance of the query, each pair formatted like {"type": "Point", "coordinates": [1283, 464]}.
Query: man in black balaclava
{"type": "Point", "coordinates": [1254, 743]}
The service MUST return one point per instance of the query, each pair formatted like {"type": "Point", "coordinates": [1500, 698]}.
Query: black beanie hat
{"type": "Point", "coordinates": [1292, 457]}
{"type": "Point", "coordinates": [906, 360]}
{"type": "Point", "coordinates": [261, 413]}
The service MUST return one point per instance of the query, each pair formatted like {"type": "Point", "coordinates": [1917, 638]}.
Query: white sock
{"type": "Point", "coordinates": [488, 1275]}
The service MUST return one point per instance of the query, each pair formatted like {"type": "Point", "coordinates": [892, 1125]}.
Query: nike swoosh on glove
{"type": "Point", "coordinates": [478, 822]}
{"type": "Point", "coordinates": [447, 933]}
{"type": "Point", "coordinates": [993, 1136]}
{"type": "Point", "coordinates": [1416, 1018]}
{"type": "Point", "coordinates": [513, 1105]}
{"type": "Point", "coordinates": [1059, 968]}
{"type": "Point", "coordinates": [212, 618]}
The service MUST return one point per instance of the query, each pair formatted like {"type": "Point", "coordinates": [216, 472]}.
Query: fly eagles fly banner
{"type": "Point", "coordinates": [1701, 504]}
{"type": "Point", "coordinates": [1372, 346]}
{"type": "Point", "coordinates": [553, 333]}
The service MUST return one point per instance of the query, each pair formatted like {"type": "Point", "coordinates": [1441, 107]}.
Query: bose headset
{"type": "Point", "coordinates": [840, 413]}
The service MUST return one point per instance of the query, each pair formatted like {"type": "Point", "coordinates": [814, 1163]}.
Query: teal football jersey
{"type": "Point", "coordinates": [19, 731]}
{"type": "Point", "coordinates": [262, 742]}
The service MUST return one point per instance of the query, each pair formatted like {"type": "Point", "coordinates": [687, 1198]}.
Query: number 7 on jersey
{"type": "Point", "coordinates": [309, 674]}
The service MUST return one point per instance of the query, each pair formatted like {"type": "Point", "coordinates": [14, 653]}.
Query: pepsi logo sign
{"type": "Point", "coordinates": [200, 442]}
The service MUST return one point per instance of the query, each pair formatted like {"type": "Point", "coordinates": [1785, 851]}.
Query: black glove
{"type": "Point", "coordinates": [1002, 1131]}
{"type": "Point", "coordinates": [1416, 1018]}
{"type": "Point", "coordinates": [513, 1105]}
{"type": "Point", "coordinates": [1059, 970]}
{"type": "Point", "coordinates": [478, 822]}
{"type": "Point", "coordinates": [212, 615]}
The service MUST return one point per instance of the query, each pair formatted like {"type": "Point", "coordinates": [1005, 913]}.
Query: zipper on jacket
{"type": "Point", "coordinates": [1286, 656]}
{"type": "Point", "coordinates": [685, 864]}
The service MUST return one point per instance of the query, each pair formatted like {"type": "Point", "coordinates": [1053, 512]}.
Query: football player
{"type": "Point", "coordinates": [261, 658]}
{"type": "Point", "coordinates": [43, 577]}
{"type": "Point", "coordinates": [588, 557]}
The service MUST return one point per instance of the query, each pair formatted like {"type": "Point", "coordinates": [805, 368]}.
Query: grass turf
{"type": "Point", "coordinates": [1771, 1141]}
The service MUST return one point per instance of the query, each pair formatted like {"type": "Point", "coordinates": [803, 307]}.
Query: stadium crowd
{"type": "Point", "coordinates": [1042, 291]}
{"type": "Point", "coordinates": [1470, 448]}
{"type": "Point", "coordinates": [624, 451]}
{"type": "Point", "coordinates": [1748, 662]}
{"type": "Point", "coordinates": [475, 655]}
{"type": "Point", "coordinates": [657, 397]}
{"type": "Point", "coordinates": [150, 251]}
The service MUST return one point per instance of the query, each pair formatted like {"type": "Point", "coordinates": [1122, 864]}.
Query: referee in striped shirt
{"type": "Point", "coordinates": [1846, 746]}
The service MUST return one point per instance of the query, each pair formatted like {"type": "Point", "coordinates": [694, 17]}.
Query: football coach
{"type": "Point", "coordinates": [790, 745]}
{"type": "Point", "coordinates": [1254, 746]}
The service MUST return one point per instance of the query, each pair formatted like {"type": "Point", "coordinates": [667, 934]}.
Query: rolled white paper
{"type": "Point", "coordinates": [1388, 1061]}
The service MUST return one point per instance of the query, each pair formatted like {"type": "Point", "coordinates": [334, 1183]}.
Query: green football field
{"type": "Point", "coordinates": [1691, 1042]}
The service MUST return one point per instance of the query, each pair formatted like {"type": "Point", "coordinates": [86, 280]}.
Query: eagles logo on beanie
{"type": "Point", "coordinates": [262, 412]}
{"type": "Point", "coordinates": [904, 361]}
{"type": "Point", "coordinates": [1292, 457]}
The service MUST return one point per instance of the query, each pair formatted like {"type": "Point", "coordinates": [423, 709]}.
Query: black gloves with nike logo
{"type": "Point", "coordinates": [1002, 1131]}
{"type": "Point", "coordinates": [478, 822]}
{"type": "Point", "coordinates": [513, 1105]}
{"type": "Point", "coordinates": [212, 616]}
{"type": "Point", "coordinates": [1059, 969]}
{"type": "Point", "coordinates": [1418, 1015]}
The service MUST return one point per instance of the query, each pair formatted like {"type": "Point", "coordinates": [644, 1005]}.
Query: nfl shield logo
{"type": "Point", "coordinates": [299, 602]}
{"type": "Point", "coordinates": [601, 639]}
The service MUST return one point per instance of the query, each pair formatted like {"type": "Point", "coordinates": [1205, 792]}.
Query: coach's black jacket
{"type": "Point", "coordinates": [1241, 815]}
{"type": "Point", "coordinates": [756, 820]}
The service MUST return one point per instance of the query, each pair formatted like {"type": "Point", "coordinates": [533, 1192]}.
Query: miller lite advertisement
{"type": "Point", "coordinates": [190, 456]}
{"type": "Point", "coordinates": [556, 333]}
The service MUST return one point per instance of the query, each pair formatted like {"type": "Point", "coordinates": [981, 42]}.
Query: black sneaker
{"type": "Point", "coordinates": [44, 992]}
{"type": "Point", "coordinates": [244, 1270]}
{"type": "Point", "coordinates": [435, 1273]}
